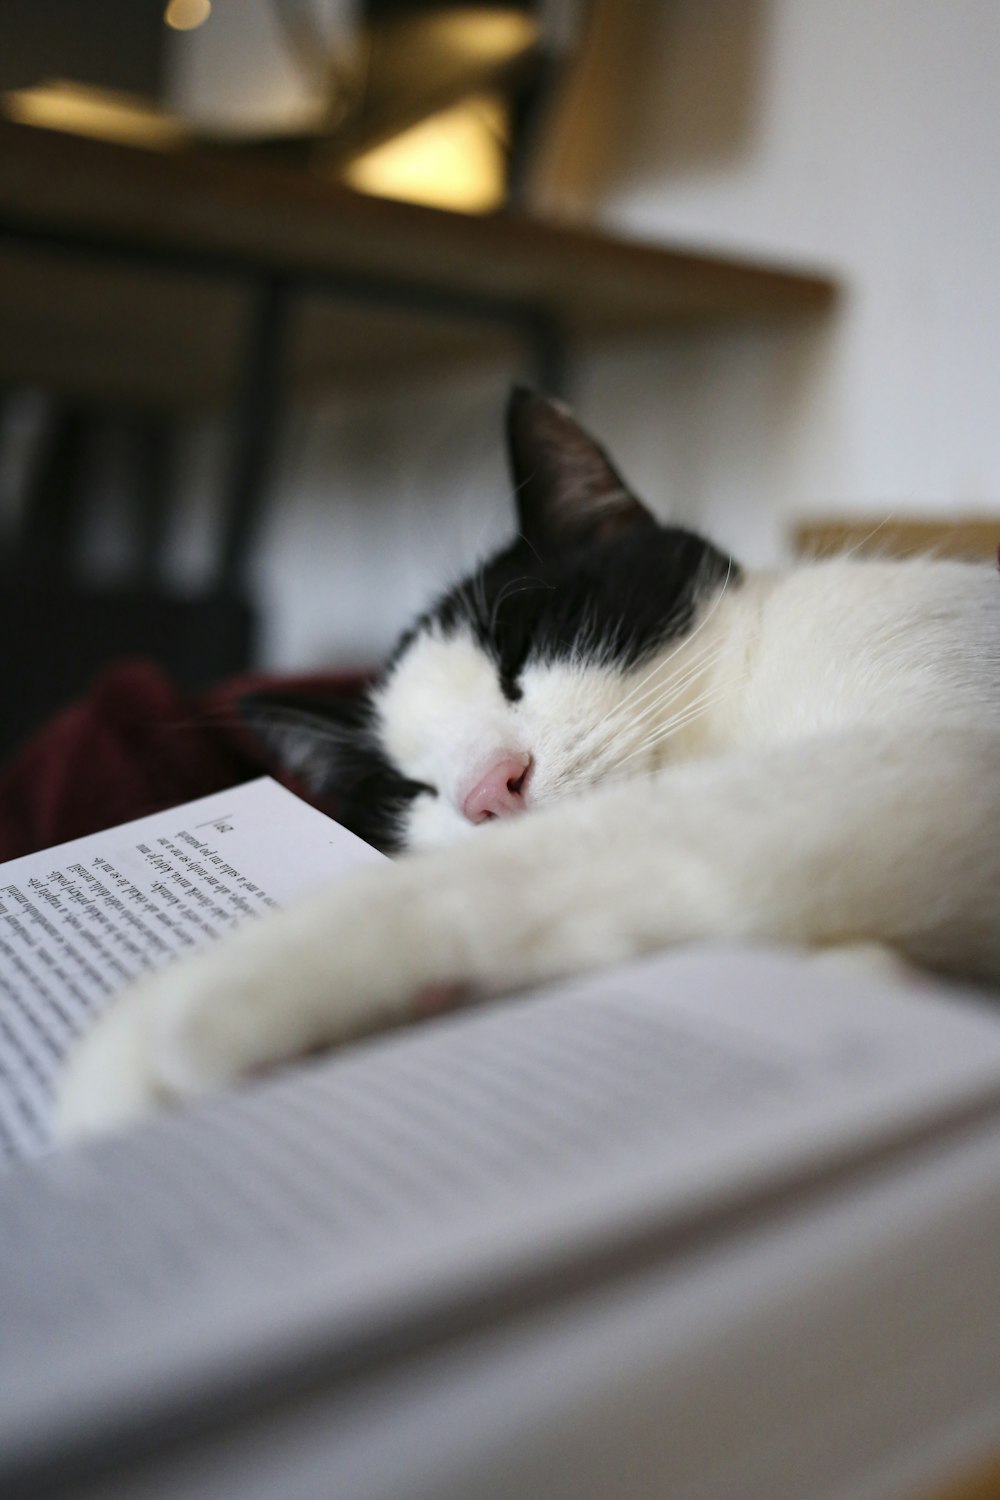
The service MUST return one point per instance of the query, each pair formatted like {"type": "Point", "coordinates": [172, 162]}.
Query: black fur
{"type": "Point", "coordinates": [330, 744]}
{"type": "Point", "coordinates": [617, 601]}
{"type": "Point", "coordinates": [592, 576]}
{"type": "Point", "coordinates": [592, 573]}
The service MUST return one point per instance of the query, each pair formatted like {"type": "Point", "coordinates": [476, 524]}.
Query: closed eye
{"type": "Point", "coordinates": [415, 788]}
{"type": "Point", "coordinates": [510, 687]}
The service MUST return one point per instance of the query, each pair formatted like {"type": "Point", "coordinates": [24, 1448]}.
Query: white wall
{"type": "Point", "coordinates": [386, 500]}
{"type": "Point", "coordinates": [866, 139]}
{"type": "Point", "coordinates": [857, 134]}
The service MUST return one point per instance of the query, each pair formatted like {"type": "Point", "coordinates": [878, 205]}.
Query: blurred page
{"type": "Point", "coordinates": [429, 1179]}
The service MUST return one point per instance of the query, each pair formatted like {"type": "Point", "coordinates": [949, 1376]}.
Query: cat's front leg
{"type": "Point", "coordinates": [865, 836]}
{"type": "Point", "coordinates": [517, 905]}
{"type": "Point", "coordinates": [346, 962]}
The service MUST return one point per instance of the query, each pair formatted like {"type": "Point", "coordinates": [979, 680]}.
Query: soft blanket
{"type": "Point", "coordinates": [135, 745]}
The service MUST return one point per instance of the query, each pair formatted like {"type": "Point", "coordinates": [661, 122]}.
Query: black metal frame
{"type": "Point", "coordinates": [256, 411]}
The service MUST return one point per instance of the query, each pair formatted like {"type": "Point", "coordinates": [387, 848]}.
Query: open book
{"type": "Point", "coordinates": [724, 1222]}
{"type": "Point", "coordinates": [79, 922]}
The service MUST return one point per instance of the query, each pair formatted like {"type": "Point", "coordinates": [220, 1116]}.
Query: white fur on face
{"type": "Point", "coordinates": [443, 719]}
{"type": "Point", "coordinates": [442, 716]}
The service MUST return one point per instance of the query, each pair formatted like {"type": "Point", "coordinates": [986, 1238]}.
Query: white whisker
{"type": "Point", "coordinates": [663, 694]}
{"type": "Point", "coordinates": [695, 710]}
{"type": "Point", "coordinates": [660, 688]}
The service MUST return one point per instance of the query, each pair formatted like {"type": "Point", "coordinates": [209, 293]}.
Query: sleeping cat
{"type": "Point", "coordinates": [608, 740]}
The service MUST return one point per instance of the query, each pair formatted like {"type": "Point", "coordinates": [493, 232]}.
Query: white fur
{"type": "Point", "coordinates": [817, 763]}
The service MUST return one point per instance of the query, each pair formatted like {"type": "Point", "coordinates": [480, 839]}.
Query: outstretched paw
{"type": "Point", "coordinates": [111, 1078]}
{"type": "Point", "coordinates": [314, 977]}
{"type": "Point", "coordinates": [192, 1028]}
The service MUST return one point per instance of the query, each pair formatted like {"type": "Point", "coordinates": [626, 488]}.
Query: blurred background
{"type": "Point", "coordinates": [267, 268]}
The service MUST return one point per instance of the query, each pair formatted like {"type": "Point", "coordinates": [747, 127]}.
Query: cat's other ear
{"type": "Point", "coordinates": [567, 488]}
{"type": "Point", "coordinates": [314, 737]}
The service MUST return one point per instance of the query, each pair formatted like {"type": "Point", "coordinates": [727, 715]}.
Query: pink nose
{"type": "Point", "coordinates": [500, 791]}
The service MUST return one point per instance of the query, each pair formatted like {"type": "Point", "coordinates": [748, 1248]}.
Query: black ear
{"type": "Point", "coordinates": [567, 488]}
{"type": "Point", "coordinates": [313, 736]}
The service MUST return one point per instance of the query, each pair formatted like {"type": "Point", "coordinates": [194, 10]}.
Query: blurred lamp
{"type": "Point", "coordinates": [187, 15]}
{"type": "Point", "coordinates": [455, 159]}
{"type": "Point", "coordinates": [434, 112]}
{"type": "Point", "coordinates": [101, 113]}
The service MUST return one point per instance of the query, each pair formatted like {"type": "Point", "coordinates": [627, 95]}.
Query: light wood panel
{"type": "Point", "coordinates": [975, 537]}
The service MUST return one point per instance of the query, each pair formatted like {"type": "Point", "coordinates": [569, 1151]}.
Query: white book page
{"type": "Point", "coordinates": [79, 922]}
{"type": "Point", "coordinates": [425, 1179]}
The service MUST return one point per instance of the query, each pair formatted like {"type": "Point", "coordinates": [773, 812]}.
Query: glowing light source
{"type": "Point", "coordinates": [483, 35]}
{"type": "Point", "coordinates": [454, 159]}
{"type": "Point", "coordinates": [82, 110]}
{"type": "Point", "coordinates": [187, 15]}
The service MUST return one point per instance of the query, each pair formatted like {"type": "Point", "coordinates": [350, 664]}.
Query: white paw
{"type": "Point", "coordinates": [182, 1032]}
{"type": "Point", "coordinates": [108, 1081]}
{"type": "Point", "coordinates": [320, 974]}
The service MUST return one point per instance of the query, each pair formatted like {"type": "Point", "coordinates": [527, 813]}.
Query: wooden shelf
{"type": "Point", "coordinates": [126, 273]}
{"type": "Point", "coordinates": [974, 538]}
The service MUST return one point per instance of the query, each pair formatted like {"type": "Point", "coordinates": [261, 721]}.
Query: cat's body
{"type": "Point", "coordinates": [671, 750]}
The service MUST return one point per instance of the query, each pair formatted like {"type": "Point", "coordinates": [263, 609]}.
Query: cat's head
{"type": "Point", "coordinates": [547, 670]}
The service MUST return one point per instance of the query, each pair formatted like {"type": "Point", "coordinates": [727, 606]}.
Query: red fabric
{"type": "Point", "coordinates": [134, 745]}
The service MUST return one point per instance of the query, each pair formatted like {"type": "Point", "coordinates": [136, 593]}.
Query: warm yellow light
{"type": "Point", "coordinates": [187, 15]}
{"type": "Point", "coordinates": [482, 35]}
{"type": "Point", "coordinates": [454, 160]}
{"type": "Point", "coordinates": [81, 110]}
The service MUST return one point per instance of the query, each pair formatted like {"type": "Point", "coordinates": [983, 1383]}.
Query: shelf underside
{"type": "Point", "coordinates": [128, 274]}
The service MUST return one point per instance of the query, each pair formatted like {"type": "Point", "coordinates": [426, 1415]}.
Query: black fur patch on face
{"type": "Point", "coordinates": [592, 575]}
{"type": "Point", "coordinates": [331, 746]}
{"type": "Point", "coordinates": [615, 602]}
{"type": "Point", "coordinates": [371, 796]}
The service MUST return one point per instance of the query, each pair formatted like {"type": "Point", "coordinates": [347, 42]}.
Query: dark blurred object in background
{"type": "Point", "coordinates": [112, 44]}
{"type": "Point", "coordinates": [62, 619]}
{"type": "Point", "coordinates": [355, 80]}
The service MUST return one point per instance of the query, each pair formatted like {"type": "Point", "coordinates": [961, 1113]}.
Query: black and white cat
{"type": "Point", "coordinates": [609, 740]}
